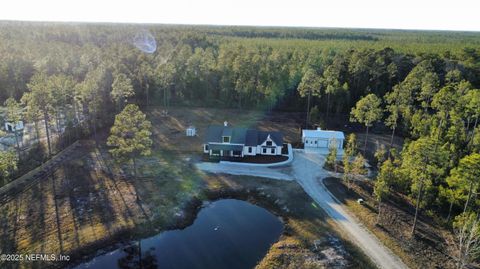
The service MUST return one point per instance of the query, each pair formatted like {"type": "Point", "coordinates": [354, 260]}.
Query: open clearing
{"type": "Point", "coordinates": [89, 204]}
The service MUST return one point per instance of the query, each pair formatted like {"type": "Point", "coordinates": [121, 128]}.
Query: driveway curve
{"type": "Point", "coordinates": [308, 172]}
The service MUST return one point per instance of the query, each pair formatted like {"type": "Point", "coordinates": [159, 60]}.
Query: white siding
{"type": "Point", "coordinates": [315, 142]}
{"type": "Point", "coordinates": [246, 153]}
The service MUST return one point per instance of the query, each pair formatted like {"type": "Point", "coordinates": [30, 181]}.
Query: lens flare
{"type": "Point", "coordinates": [145, 42]}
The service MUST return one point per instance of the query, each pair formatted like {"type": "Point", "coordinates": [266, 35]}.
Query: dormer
{"type": "Point", "coordinates": [226, 139]}
{"type": "Point", "coordinates": [269, 142]}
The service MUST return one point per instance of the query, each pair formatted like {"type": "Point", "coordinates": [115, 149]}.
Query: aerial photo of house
{"type": "Point", "coordinates": [214, 135]}
{"type": "Point", "coordinates": [228, 141]}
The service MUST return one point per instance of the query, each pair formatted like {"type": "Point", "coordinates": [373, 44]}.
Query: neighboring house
{"type": "Point", "coordinates": [10, 126]}
{"type": "Point", "coordinates": [322, 139]}
{"type": "Point", "coordinates": [226, 141]}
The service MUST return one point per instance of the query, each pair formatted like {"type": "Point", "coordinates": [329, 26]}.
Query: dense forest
{"type": "Point", "coordinates": [424, 86]}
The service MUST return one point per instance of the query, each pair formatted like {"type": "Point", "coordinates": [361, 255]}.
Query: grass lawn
{"type": "Point", "coordinates": [89, 203]}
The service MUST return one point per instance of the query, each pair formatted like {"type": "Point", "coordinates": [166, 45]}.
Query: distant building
{"type": "Point", "coordinates": [226, 141]}
{"type": "Point", "coordinates": [191, 131]}
{"type": "Point", "coordinates": [322, 139]}
{"type": "Point", "coordinates": [10, 126]}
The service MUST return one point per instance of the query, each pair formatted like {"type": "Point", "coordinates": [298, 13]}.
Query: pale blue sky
{"type": "Point", "coordinates": [403, 14]}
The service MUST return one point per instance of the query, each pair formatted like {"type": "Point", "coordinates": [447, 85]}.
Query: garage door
{"type": "Point", "coordinates": [322, 143]}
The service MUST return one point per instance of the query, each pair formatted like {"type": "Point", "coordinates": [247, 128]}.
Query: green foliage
{"type": "Point", "coordinates": [122, 89]}
{"type": "Point", "coordinates": [367, 110]}
{"type": "Point", "coordinates": [358, 165]}
{"type": "Point", "coordinates": [424, 163]}
{"type": "Point", "coordinates": [130, 134]}
{"type": "Point", "coordinates": [429, 81]}
{"type": "Point", "coordinates": [466, 176]}
{"type": "Point", "coordinates": [381, 189]}
{"type": "Point", "coordinates": [331, 161]}
{"type": "Point", "coordinates": [8, 165]}
{"type": "Point", "coordinates": [380, 154]}
{"type": "Point", "coordinates": [14, 111]}
{"type": "Point", "coordinates": [310, 84]}
{"type": "Point", "coordinates": [351, 145]}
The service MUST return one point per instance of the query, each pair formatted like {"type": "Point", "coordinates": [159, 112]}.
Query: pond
{"type": "Point", "coordinates": [226, 234]}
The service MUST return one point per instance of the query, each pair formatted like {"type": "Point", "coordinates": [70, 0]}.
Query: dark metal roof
{"type": "Point", "coordinates": [251, 138]}
{"type": "Point", "coordinates": [227, 131]}
{"type": "Point", "coordinates": [225, 147]}
{"type": "Point", "coordinates": [214, 134]}
{"type": "Point", "coordinates": [240, 135]}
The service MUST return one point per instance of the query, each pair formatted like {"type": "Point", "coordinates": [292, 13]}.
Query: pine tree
{"type": "Point", "coordinates": [122, 89]}
{"type": "Point", "coordinates": [8, 165]}
{"type": "Point", "coordinates": [382, 184]}
{"type": "Point", "coordinates": [367, 111]}
{"type": "Point", "coordinates": [130, 136]}
{"type": "Point", "coordinates": [331, 161]}
{"type": "Point", "coordinates": [467, 174]}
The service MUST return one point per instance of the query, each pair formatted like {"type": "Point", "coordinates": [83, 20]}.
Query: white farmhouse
{"type": "Point", "coordinates": [226, 141]}
{"type": "Point", "coordinates": [322, 139]}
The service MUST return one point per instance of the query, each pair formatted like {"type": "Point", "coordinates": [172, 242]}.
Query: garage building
{"type": "Point", "coordinates": [322, 139]}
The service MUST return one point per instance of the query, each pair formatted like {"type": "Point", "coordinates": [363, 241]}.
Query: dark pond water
{"type": "Point", "coordinates": [226, 234]}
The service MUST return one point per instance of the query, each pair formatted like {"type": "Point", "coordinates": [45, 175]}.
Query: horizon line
{"type": "Point", "coordinates": [236, 25]}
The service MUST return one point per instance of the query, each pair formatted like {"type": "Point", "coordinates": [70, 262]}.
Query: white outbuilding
{"type": "Point", "coordinates": [322, 139]}
{"type": "Point", "coordinates": [191, 131]}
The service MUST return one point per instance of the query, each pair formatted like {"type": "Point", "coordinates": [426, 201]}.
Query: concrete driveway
{"type": "Point", "coordinates": [308, 172]}
{"type": "Point", "coordinates": [236, 169]}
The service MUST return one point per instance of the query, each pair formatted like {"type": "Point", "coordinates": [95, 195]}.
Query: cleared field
{"type": "Point", "coordinates": [89, 202]}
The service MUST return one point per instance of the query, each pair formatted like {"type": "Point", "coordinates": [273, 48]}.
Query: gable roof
{"type": "Point", "coordinates": [240, 135]}
{"type": "Point", "coordinates": [277, 137]}
{"type": "Point", "coordinates": [326, 134]}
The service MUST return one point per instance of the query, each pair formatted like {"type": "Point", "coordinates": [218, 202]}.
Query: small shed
{"type": "Point", "coordinates": [323, 139]}
{"type": "Point", "coordinates": [191, 131]}
{"type": "Point", "coordinates": [11, 127]}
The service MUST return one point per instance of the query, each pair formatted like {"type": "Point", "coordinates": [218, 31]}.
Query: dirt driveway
{"type": "Point", "coordinates": [307, 170]}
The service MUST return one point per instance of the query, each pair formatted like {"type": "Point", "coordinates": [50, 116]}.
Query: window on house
{"type": "Point", "coordinates": [269, 143]}
{"type": "Point", "coordinates": [306, 141]}
{"type": "Point", "coordinates": [272, 151]}
{"type": "Point", "coordinates": [249, 149]}
{"type": "Point", "coordinates": [226, 139]}
{"type": "Point", "coordinates": [206, 147]}
{"type": "Point", "coordinates": [315, 141]}
{"type": "Point", "coordinates": [264, 150]}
